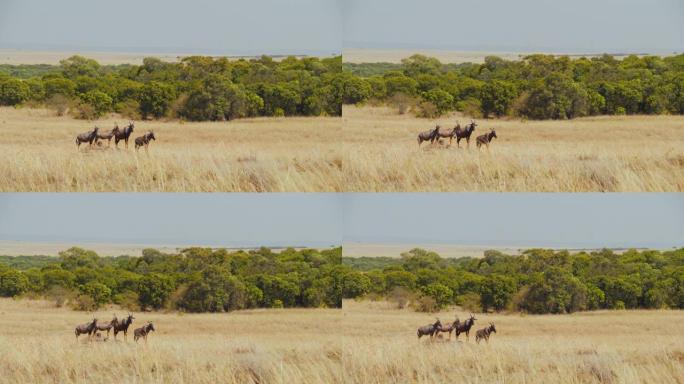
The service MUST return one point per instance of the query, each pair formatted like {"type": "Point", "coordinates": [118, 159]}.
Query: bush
{"type": "Point", "coordinates": [400, 297]}
{"type": "Point", "coordinates": [84, 303]}
{"type": "Point", "coordinates": [13, 283]}
{"type": "Point", "coordinates": [59, 103]}
{"type": "Point", "coordinates": [426, 304]}
{"type": "Point", "coordinates": [402, 102]}
{"type": "Point", "coordinates": [13, 92]}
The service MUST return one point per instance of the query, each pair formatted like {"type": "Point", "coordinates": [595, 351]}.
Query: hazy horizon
{"type": "Point", "coordinates": [577, 27]}
{"type": "Point", "coordinates": [557, 220]}
{"type": "Point", "coordinates": [209, 27]}
{"type": "Point", "coordinates": [238, 220]}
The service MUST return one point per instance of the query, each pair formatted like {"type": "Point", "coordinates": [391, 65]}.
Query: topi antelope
{"type": "Point", "coordinates": [448, 134]}
{"type": "Point", "coordinates": [430, 329]}
{"type": "Point", "coordinates": [87, 137]}
{"type": "Point", "coordinates": [142, 332]}
{"type": "Point", "coordinates": [108, 135]}
{"type": "Point", "coordinates": [122, 326]}
{"type": "Point", "coordinates": [486, 139]}
{"type": "Point", "coordinates": [428, 136]}
{"type": "Point", "coordinates": [465, 326]}
{"type": "Point", "coordinates": [144, 140]}
{"type": "Point", "coordinates": [123, 134]}
{"type": "Point", "coordinates": [106, 326]}
{"type": "Point", "coordinates": [88, 328]}
{"type": "Point", "coordinates": [450, 327]}
{"type": "Point", "coordinates": [484, 333]}
{"type": "Point", "coordinates": [464, 133]}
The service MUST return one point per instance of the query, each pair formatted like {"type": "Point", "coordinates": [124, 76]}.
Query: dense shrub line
{"type": "Point", "coordinates": [196, 88]}
{"type": "Point", "coordinates": [194, 280]}
{"type": "Point", "coordinates": [538, 281]}
{"type": "Point", "coordinates": [535, 87]}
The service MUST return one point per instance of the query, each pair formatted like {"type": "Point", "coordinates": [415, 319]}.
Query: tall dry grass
{"type": "Point", "coordinates": [608, 154]}
{"type": "Point", "coordinates": [37, 345]}
{"type": "Point", "coordinates": [381, 346]}
{"type": "Point", "coordinates": [38, 153]}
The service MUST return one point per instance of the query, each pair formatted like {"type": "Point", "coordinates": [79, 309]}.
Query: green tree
{"type": "Point", "coordinates": [496, 292]}
{"type": "Point", "coordinates": [154, 290]}
{"type": "Point", "coordinates": [99, 101]}
{"type": "Point", "coordinates": [155, 98]}
{"type": "Point", "coordinates": [13, 91]}
{"type": "Point", "coordinates": [442, 294]}
{"type": "Point", "coordinates": [99, 292]}
{"type": "Point", "coordinates": [355, 284]}
{"type": "Point", "coordinates": [496, 97]}
{"type": "Point", "coordinates": [13, 283]}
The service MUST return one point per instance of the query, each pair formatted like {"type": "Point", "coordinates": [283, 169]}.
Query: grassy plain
{"type": "Point", "coordinates": [602, 154]}
{"type": "Point", "coordinates": [38, 345]}
{"type": "Point", "coordinates": [381, 346]}
{"type": "Point", "coordinates": [297, 154]}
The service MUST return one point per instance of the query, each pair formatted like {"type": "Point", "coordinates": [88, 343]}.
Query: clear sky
{"type": "Point", "coordinates": [230, 219]}
{"type": "Point", "coordinates": [570, 220]}
{"type": "Point", "coordinates": [238, 27]}
{"type": "Point", "coordinates": [568, 26]}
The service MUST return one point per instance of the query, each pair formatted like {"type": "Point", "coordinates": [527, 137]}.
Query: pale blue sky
{"type": "Point", "coordinates": [572, 220]}
{"type": "Point", "coordinates": [566, 220]}
{"type": "Point", "coordinates": [568, 26]}
{"type": "Point", "coordinates": [230, 27]}
{"type": "Point", "coordinates": [220, 219]}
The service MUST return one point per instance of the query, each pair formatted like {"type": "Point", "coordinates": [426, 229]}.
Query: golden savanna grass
{"type": "Point", "coordinates": [381, 346]}
{"type": "Point", "coordinates": [37, 345]}
{"type": "Point", "coordinates": [607, 154]}
{"type": "Point", "coordinates": [38, 153]}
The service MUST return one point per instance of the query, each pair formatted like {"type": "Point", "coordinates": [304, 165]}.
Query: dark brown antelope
{"type": "Point", "coordinates": [122, 326]}
{"type": "Point", "coordinates": [486, 139]}
{"type": "Point", "coordinates": [108, 135]}
{"type": "Point", "coordinates": [106, 326]}
{"type": "Point", "coordinates": [464, 133]}
{"type": "Point", "coordinates": [144, 140]}
{"type": "Point", "coordinates": [87, 137]}
{"type": "Point", "coordinates": [123, 135]}
{"type": "Point", "coordinates": [430, 329]}
{"type": "Point", "coordinates": [428, 136]}
{"type": "Point", "coordinates": [465, 326]}
{"type": "Point", "coordinates": [88, 328]}
{"type": "Point", "coordinates": [484, 333]}
{"type": "Point", "coordinates": [142, 332]}
{"type": "Point", "coordinates": [450, 327]}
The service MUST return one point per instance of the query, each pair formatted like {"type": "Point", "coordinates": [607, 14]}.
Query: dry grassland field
{"type": "Point", "coordinates": [606, 154]}
{"type": "Point", "coordinates": [295, 154]}
{"type": "Point", "coordinates": [38, 345]}
{"type": "Point", "coordinates": [381, 346]}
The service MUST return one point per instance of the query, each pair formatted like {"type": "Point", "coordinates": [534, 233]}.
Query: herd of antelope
{"type": "Point", "coordinates": [435, 329]}
{"type": "Point", "coordinates": [459, 133]}
{"type": "Point", "coordinates": [118, 134]}
{"type": "Point", "coordinates": [94, 328]}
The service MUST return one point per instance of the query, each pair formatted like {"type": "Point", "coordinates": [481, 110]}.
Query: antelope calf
{"type": "Point", "coordinates": [484, 333]}
{"type": "Point", "coordinates": [144, 140]}
{"type": "Point", "coordinates": [486, 139]}
{"type": "Point", "coordinates": [142, 332]}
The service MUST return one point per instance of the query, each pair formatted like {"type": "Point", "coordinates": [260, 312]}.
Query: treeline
{"type": "Point", "coordinates": [194, 280]}
{"type": "Point", "coordinates": [197, 88]}
{"type": "Point", "coordinates": [535, 87]}
{"type": "Point", "coordinates": [537, 281]}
